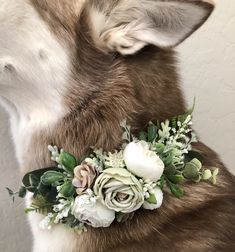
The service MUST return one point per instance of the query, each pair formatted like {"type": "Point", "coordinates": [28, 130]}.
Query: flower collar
{"type": "Point", "coordinates": [103, 187]}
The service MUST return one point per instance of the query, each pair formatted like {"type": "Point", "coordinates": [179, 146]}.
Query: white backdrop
{"type": "Point", "coordinates": [208, 71]}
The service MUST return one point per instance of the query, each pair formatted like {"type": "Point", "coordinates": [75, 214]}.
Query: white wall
{"type": "Point", "coordinates": [208, 68]}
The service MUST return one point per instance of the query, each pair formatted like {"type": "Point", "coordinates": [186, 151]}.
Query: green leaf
{"type": "Point", "coordinates": [152, 132]}
{"type": "Point", "coordinates": [174, 122]}
{"type": "Point", "coordinates": [176, 179]}
{"type": "Point", "coordinates": [191, 169]}
{"type": "Point", "coordinates": [33, 180]}
{"type": "Point", "coordinates": [216, 172]}
{"type": "Point", "coordinates": [119, 216]}
{"type": "Point", "coordinates": [68, 161]}
{"type": "Point", "coordinates": [197, 163]}
{"type": "Point", "coordinates": [213, 179]}
{"type": "Point", "coordinates": [206, 174]}
{"type": "Point", "coordinates": [193, 154]}
{"type": "Point", "coordinates": [168, 159]}
{"type": "Point", "coordinates": [198, 179]}
{"type": "Point", "coordinates": [143, 136]}
{"type": "Point", "coordinates": [48, 192]}
{"type": "Point", "coordinates": [40, 205]}
{"type": "Point", "coordinates": [162, 182]}
{"type": "Point", "coordinates": [11, 193]}
{"type": "Point", "coordinates": [170, 170]}
{"type": "Point", "coordinates": [184, 116]}
{"type": "Point", "coordinates": [67, 190]}
{"type": "Point", "coordinates": [22, 192]}
{"type": "Point", "coordinates": [159, 148]}
{"type": "Point", "coordinates": [152, 199]}
{"type": "Point", "coordinates": [175, 190]}
{"type": "Point", "coordinates": [51, 177]}
{"type": "Point", "coordinates": [38, 174]}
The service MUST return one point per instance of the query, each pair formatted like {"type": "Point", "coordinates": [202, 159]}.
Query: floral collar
{"type": "Point", "coordinates": [103, 187]}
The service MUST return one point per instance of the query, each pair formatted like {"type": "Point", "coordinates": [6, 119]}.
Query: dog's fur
{"type": "Point", "coordinates": [70, 71]}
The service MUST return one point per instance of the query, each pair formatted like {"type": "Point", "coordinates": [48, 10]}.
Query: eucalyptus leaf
{"type": "Point", "coordinates": [198, 179]}
{"type": "Point", "coordinates": [193, 154]}
{"type": "Point", "coordinates": [191, 169]}
{"type": "Point", "coordinates": [206, 174]}
{"type": "Point", "coordinates": [216, 172]}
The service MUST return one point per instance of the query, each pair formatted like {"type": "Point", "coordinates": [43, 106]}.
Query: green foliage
{"type": "Point", "coordinates": [159, 148]}
{"type": "Point", "coordinates": [152, 132]}
{"type": "Point", "coordinates": [176, 190]}
{"type": "Point", "coordinates": [143, 136]}
{"type": "Point", "coordinates": [176, 179]}
{"type": "Point", "coordinates": [11, 193]}
{"type": "Point", "coordinates": [182, 118]}
{"type": "Point", "coordinates": [68, 161]}
{"type": "Point", "coordinates": [22, 192]}
{"type": "Point", "coordinates": [40, 205]}
{"type": "Point", "coordinates": [191, 169]}
{"type": "Point", "coordinates": [152, 199]}
{"type": "Point", "coordinates": [67, 190]}
{"type": "Point", "coordinates": [50, 177]}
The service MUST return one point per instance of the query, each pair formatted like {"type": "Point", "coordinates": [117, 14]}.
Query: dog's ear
{"type": "Point", "coordinates": [131, 24]}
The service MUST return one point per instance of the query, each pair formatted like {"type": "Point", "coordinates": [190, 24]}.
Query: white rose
{"type": "Point", "coordinates": [157, 192]}
{"type": "Point", "coordinates": [143, 162]}
{"type": "Point", "coordinates": [92, 212]}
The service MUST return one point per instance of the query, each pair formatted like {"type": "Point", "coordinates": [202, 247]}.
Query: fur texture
{"type": "Point", "coordinates": [64, 82]}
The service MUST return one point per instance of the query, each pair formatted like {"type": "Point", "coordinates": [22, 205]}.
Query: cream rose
{"type": "Point", "coordinates": [158, 194]}
{"type": "Point", "coordinates": [119, 190]}
{"type": "Point", "coordinates": [92, 212]}
{"type": "Point", "coordinates": [143, 162]}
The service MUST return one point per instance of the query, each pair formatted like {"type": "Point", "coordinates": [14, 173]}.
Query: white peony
{"type": "Point", "coordinates": [157, 192]}
{"type": "Point", "coordinates": [92, 212]}
{"type": "Point", "coordinates": [143, 162]}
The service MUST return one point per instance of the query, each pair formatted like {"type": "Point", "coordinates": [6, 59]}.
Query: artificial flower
{"type": "Point", "coordinates": [92, 212]}
{"type": "Point", "coordinates": [158, 195]}
{"type": "Point", "coordinates": [143, 162]}
{"type": "Point", "coordinates": [119, 190]}
{"type": "Point", "coordinates": [84, 176]}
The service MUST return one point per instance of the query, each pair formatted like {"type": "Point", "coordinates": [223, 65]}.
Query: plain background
{"type": "Point", "coordinates": [208, 72]}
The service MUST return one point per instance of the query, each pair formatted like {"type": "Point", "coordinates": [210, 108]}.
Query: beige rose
{"type": "Point", "coordinates": [119, 190]}
{"type": "Point", "coordinates": [84, 176]}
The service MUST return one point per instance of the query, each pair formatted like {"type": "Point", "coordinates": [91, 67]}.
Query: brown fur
{"type": "Point", "coordinates": [105, 89]}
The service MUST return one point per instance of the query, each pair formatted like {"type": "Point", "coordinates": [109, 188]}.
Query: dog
{"type": "Point", "coordinates": [70, 71]}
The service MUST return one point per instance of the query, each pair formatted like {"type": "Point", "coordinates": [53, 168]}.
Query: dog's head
{"type": "Point", "coordinates": [47, 44]}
